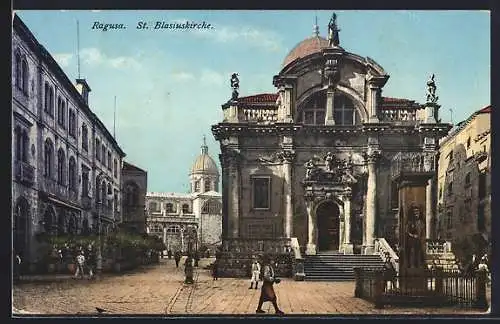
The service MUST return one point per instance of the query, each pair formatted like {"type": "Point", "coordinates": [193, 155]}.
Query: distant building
{"type": "Point", "coordinates": [464, 184]}
{"type": "Point", "coordinates": [188, 221]}
{"type": "Point", "coordinates": [65, 163]}
{"type": "Point", "coordinates": [134, 188]}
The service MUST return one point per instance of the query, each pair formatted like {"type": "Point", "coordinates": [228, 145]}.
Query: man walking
{"type": "Point", "coordinates": [267, 290]}
{"type": "Point", "coordinates": [255, 274]}
{"type": "Point", "coordinates": [177, 258]}
{"type": "Point", "coordinates": [80, 262]}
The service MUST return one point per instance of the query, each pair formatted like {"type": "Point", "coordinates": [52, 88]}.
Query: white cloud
{"type": "Point", "coordinates": [124, 62]}
{"type": "Point", "coordinates": [265, 39]}
{"type": "Point", "coordinates": [94, 56]}
{"type": "Point", "coordinates": [63, 58]}
{"type": "Point", "coordinates": [210, 77]}
{"type": "Point", "coordinates": [182, 76]}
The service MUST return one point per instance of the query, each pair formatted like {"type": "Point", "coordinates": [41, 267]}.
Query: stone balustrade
{"type": "Point", "coordinates": [383, 248]}
{"type": "Point", "coordinates": [403, 115]}
{"type": "Point", "coordinates": [260, 114]}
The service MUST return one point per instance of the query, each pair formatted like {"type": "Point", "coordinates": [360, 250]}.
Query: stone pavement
{"type": "Point", "coordinates": [159, 290]}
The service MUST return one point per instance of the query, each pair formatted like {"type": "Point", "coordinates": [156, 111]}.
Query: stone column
{"type": "Point", "coordinates": [373, 92]}
{"type": "Point", "coordinates": [428, 210]}
{"type": "Point", "coordinates": [371, 201]}
{"type": "Point", "coordinates": [348, 246]}
{"type": "Point", "coordinates": [287, 169]}
{"type": "Point", "coordinates": [375, 89]}
{"type": "Point", "coordinates": [311, 246]}
{"type": "Point", "coordinates": [330, 94]}
{"type": "Point", "coordinates": [165, 236]}
{"type": "Point", "coordinates": [234, 194]}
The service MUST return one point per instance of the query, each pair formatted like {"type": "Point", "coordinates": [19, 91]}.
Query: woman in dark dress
{"type": "Point", "coordinates": [267, 291]}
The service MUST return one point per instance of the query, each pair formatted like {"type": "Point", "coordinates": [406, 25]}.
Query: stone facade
{"type": "Point", "coordinates": [188, 221]}
{"type": "Point", "coordinates": [313, 160]}
{"type": "Point", "coordinates": [464, 185]}
{"type": "Point", "coordinates": [59, 185]}
{"type": "Point", "coordinates": [134, 188]}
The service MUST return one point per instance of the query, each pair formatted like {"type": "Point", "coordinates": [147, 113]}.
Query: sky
{"type": "Point", "coordinates": [170, 84]}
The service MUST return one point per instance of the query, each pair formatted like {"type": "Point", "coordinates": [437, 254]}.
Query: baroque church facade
{"type": "Point", "coordinates": [314, 163]}
{"type": "Point", "coordinates": [188, 221]}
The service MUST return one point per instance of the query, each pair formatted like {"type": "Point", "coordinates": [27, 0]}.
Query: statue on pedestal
{"type": "Point", "coordinates": [415, 227]}
{"type": "Point", "coordinates": [431, 90]}
{"type": "Point", "coordinates": [235, 85]}
{"type": "Point", "coordinates": [329, 162]}
{"type": "Point", "coordinates": [310, 167]}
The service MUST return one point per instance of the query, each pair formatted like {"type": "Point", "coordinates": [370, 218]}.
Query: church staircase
{"type": "Point", "coordinates": [336, 266]}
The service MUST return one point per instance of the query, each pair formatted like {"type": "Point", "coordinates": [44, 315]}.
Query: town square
{"type": "Point", "coordinates": [284, 171]}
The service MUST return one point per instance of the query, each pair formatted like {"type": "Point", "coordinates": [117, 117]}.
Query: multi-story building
{"type": "Point", "coordinates": [65, 164]}
{"type": "Point", "coordinates": [187, 221]}
{"type": "Point", "coordinates": [464, 185]}
{"type": "Point", "coordinates": [312, 162]}
{"type": "Point", "coordinates": [134, 188]}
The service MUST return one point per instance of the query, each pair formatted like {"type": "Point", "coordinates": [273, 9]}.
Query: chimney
{"type": "Point", "coordinates": [83, 88]}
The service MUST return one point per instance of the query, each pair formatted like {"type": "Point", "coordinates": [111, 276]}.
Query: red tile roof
{"type": "Point", "coordinates": [398, 103]}
{"type": "Point", "coordinates": [259, 98]}
{"type": "Point", "coordinates": [485, 110]}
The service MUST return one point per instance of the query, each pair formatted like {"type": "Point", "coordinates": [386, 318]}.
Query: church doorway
{"type": "Point", "coordinates": [328, 216]}
{"type": "Point", "coordinates": [21, 227]}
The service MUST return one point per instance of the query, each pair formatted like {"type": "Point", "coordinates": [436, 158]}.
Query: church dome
{"type": "Point", "coordinates": [307, 47]}
{"type": "Point", "coordinates": [204, 162]}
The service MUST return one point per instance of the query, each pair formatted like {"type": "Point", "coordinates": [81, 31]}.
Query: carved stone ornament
{"type": "Point", "coordinates": [431, 90]}
{"type": "Point", "coordinates": [286, 156]}
{"type": "Point", "coordinates": [230, 156]}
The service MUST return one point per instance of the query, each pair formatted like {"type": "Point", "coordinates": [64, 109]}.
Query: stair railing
{"type": "Point", "coordinates": [298, 261]}
{"type": "Point", "coordinates": [382, 247]}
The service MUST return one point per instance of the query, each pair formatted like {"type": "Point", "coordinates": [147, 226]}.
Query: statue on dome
{"type": "Point", "coordinates": [333, 32]}
{"type": "Point", "coordinates": [235, 85]}
{"type": "Point", "coordinates": [431, 90]}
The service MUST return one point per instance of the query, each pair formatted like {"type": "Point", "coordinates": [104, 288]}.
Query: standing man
{"type": "Point", "coordinates": [267, 290]}
{"type": "Point", "coordinates": [80, 262]}
{"type": "Point", "coordinates": [177, 257]}
{"type": "Point", "coordinates": [255, 274]}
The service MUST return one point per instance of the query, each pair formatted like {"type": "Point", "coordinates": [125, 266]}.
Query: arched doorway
{"type": "Point", "coordinates": [328, 218]}
{"type": "Point", "coordinates": [21, 230]}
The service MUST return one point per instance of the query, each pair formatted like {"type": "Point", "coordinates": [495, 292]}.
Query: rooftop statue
{"type": "Point", "coordinates": [431, 90]}
{"type": "Point", "coordinates": [333, 32]}
{"type": "Point", "coordinates": [235, 85]}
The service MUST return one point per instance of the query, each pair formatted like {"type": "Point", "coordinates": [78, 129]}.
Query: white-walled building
{"type": "Point", "coordinates": [187, 221]}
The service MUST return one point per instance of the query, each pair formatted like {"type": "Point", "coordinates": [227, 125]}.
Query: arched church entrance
{"type": "Point", "coordinates": [21, 229]}
{"type": "Point", "coordinates": [328, 218]}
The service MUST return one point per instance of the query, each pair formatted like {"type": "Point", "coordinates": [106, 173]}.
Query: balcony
{"type": "Point", "coordinates": [259, 115]}
{"type": "Point", "coordinates": [25, 173]}
{"type": "Point", "coordinates": [480, 156]}
{"type": "Point", "coordinates": [412, 164]}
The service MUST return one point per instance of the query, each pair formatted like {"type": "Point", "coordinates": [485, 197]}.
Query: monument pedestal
{"type": "Point", "coordinates": [311, 249]}
{"type": "Point", "coordinates": [348, 248]}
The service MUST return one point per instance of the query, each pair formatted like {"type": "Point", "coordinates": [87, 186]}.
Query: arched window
{"type": "Point", "coordinates": [207, 185]}
{"type": "Point", "coordinates": [153, 206]}
{"type": "Point", "coordinates": [197, 186]}
{"type": "Point", "coordinates": [211, 207]}
{"type": "Point", "coordinates": [61, 112]}
{"type": "Point", "coordinates": [49, 220]}
{"type": "Point", "coordinates": [18, 70]}
{"type": "Point", "coordinates": [156, 229]}
{"type": "Point", "coordinates": [103, 154]}
{"type": "Point", "coordinates": [25, 76]}
{"type": "Point", "coordinates": [85, 137]}
{"type": "Point", "coordinates": [169, 208]}
{"type": "Point", "coordinates": [173, 229]}
{"type": "Point", "coordinates": [115, 168]}
{"type": "Point", "coordinates": [109, 195]}
{"type": "Point", "coordinates": [313, 110]}
{"type": "Point", "coordinates": [132, 194]}
{"type": "Point", "coordinates": [103, 192]}
{"type": "Point", "coordinates": [48, 159]}
{"type": "Point", "coordinates": [72, 174]}
{"type": "Point", "coordinates": [98, 149]}
{"type": "Point", "coordinates": [344, 112]}
{"type": "Point", "coordinates": [60, 167]}
{"type": "Point", "coordinates": [72, 123]}
{"type": "Point", "coordinates": [185, 209]}
{"type": "Point", "coordinates": [46, 107]}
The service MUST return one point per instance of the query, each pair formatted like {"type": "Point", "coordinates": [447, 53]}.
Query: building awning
{"type": "Point", "coordinates": [62, 203]}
